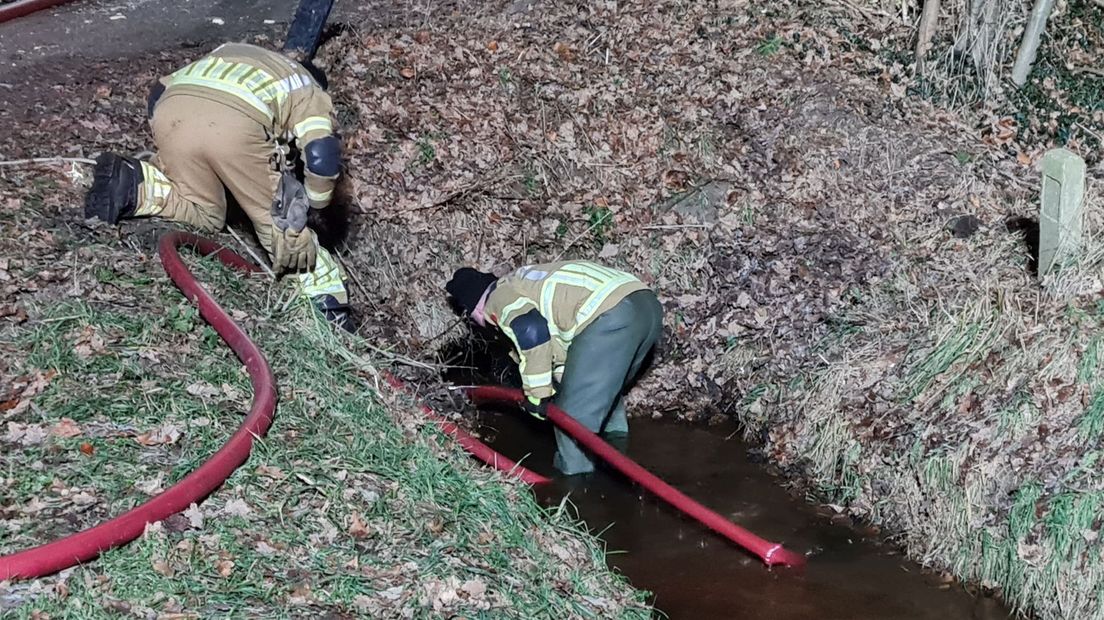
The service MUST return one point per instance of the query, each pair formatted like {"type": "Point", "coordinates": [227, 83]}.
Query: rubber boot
{"type": "Point", "coordinates": [114, 192]}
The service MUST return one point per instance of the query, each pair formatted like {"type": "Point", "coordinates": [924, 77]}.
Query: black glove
{"type": "Point", "coordinates": [537, 407]}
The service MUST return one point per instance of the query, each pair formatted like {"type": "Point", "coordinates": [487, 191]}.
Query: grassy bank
{"type": "Point", "coordinates": [795, 206]}
{"type": "Point", "coordinates": [352, 506]}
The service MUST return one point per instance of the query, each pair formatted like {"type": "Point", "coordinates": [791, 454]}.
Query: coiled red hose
{"type": "Point", "coordinates": [26, 7]}
{"type": "Point", "coordinates": [86, 545]}
{"type": "Point", "coordinates": [771, 553]}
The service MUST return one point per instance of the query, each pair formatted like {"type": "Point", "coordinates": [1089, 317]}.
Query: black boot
{"type": "Point", "coordinates": [114, 193]}
{"type": "Point", "coordinates": [335, 312]}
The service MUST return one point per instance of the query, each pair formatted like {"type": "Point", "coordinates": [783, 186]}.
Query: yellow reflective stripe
{"type": "Point", "coordinates": [599, 273]}
{"type": "Point", "coordinates": [517, 304]}
{"type": "Point", "coordinates": [326, 279]}
{"type": "Point", "coordinates": [318, 196]}
{"type": "Point", "coordinates": [536, 381]}
{"type": "Point", "coordinates": [597, 298]}
{"type": "Point", "coordinates": [229, 88]}
{"type": "Point", "coordinates": [154, 191]}
{"type": "Point", "coordinates": [312, 123]}
{"type": "Point", "coordinates": [252, 84]}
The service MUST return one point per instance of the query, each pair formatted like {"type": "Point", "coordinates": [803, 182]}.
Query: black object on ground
{"type": "Point", "coordinates": [305, 33]}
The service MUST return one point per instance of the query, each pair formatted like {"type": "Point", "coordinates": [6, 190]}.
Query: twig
{"type": "Point", "coordinates": [446, 330]}
{"type": "Point", "coordinates": [598, 222]}
{"type": "Point", "coordinates": [1091, 132]}
{"type": "Point", "coordinates": [676, 226]}
{"type": "Point", "coordinates": [252, 254]}
{"type": "Point", "coordinates": [401, 359]}
{"type": "Point", "coordinates": [48, 160]}
{"type": "Point", "coordinates": [1089, 70]}
{"type": "Point", "coordinates": [352, 274]}
{"type": "Point", "coordinates": [473, 188]}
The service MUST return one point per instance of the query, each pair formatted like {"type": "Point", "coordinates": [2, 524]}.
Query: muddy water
{"type": "Point", "coordinates": [696, 574]}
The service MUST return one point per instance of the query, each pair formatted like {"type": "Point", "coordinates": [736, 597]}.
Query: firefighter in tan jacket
{"type": "Point", "coordinates": [218, 124]}
{"type": "Point", "coordinates": [582, 333]}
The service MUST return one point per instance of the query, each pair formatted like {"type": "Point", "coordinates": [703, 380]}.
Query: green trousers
{"type": "Point", "coordinates": [602, 362]}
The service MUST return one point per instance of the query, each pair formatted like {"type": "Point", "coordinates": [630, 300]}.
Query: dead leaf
{"type": "Point", "coordinates": [203, 390]}
{"type": "Point", "coordinates": [474, 588]}
{"type": "Point", "coordinates": [25, 434]}
{"type": "Point", "coordinates": [224, 567]}
{"type": "Point", "coordinates": [87, 449]}
{"type": "Point", "coordinates": [271, 471]}
{"type": "Point", "coordinates": [89, 343]}
{"type": "Point", "coordinates": [66, 427]}
{"type": "Point", "coordinates": [151, 486]}
{"type": "Point", "coordinates": [237, 508]}
{"type": "Point", "coordinates": [407, 72]}
{"type": "Point", "coordinates": [167, 433]}
{"type": "Point", "coordinates": [194, 514]}
{"type": "Point", "coordinates": [564, 51]}
{"type": "Point", "coordinates": [357, 528]}
{"type": "Point", "coordinates": [163, 567]}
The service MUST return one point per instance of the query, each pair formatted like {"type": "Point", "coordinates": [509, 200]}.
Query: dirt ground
{"type": "Point", "coordinates": [832, 250]}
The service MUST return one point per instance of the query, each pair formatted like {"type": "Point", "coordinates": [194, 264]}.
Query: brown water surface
{"type": "Point", "coordinates": [694, 573]}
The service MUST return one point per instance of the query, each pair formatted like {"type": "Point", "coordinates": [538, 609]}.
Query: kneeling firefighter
{"type": "Point", "coordinates": [582, 333]}
{"type": "Point", "coordinates": [225, 122]}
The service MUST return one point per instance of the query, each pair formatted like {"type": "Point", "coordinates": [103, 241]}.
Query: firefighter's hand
{"type": "Point", "coordinates": [537, 407]}
{"type": "Point", "coordinates": [294, 251]}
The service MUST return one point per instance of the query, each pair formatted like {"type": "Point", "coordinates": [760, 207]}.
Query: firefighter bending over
{"type": "Point", "coordinates": [581, 332]}
{"type": "Point", "coordinates": [222, 123]}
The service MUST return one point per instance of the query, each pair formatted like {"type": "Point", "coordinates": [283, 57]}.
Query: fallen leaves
{"type": "Point", "coordinates": [25, 434]}
{"type": "Point", "coordinates": [237, 508]}
{"type": "Point", "coordinates": [23, 390]}
{"type": "Point", "coordinates": [358, 529]}
{"type": "Point", "coordinates": [166, 434]}
{"type": "Point", "coordinates": [89, 343]}
{"type": "Point", "coordinates": [65, 428]}
{"type": "Point", "coordinates": [224, 567]}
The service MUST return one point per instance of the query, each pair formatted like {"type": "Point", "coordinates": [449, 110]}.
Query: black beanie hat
{"type": "Point", "coordinates": [467, 286]}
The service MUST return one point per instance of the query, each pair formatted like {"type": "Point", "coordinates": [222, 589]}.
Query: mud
{"type": "Point", "coordinates": [695, 574]}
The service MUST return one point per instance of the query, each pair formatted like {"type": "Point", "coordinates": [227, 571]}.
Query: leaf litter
{"type": "Point", "coordinates": [790, 206]}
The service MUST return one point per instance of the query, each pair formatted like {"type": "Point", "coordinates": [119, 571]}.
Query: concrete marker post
{"type": "Point", "coordinates": [1062, 199]}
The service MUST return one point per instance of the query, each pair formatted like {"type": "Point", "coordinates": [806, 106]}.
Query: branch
{"type": "Point", "coordinates": [1033, 33]}
{"type": "Point", "coordinates": [48, 160]}
{"type": "Point", "coordinates": [929, 20]}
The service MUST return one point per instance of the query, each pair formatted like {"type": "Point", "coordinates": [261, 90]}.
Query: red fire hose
{"type": "Point", "coordinates": [86, 545]}
{"type": "Point", "coordinates": [771, 553]}
{"type": "Point", "coordinates": [476, 448]}
{"type": "Point", "coordinates": [26, 7]}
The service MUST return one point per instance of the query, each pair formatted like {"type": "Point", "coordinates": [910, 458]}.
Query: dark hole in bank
{"type": "Point", "coordinates": [1028, 227]}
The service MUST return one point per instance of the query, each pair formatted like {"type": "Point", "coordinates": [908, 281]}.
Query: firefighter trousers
{"type": "Point", "coordinates": [205, 149]}
{"type": "Point", "coordinates": [602, 363]}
